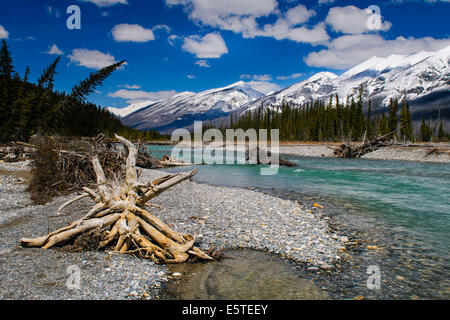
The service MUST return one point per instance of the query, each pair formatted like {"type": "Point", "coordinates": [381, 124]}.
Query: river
{"type": "Point", "coordinates": [399, 208]}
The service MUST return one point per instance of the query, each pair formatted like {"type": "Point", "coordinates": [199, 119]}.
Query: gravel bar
{"type": "Point", "coordinates": [220, 217]}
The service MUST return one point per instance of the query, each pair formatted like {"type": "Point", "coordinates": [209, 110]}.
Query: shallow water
{"type": "Point", "coordinates": [244, 275]}
{"type": "Point", "coordinates": [402, 208]}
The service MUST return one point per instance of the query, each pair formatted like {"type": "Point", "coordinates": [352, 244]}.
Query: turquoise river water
{"type": "Point", "coordinates": [401, 207]}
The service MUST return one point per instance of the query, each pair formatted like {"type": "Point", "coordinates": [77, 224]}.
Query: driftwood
{"type": "Point", "coordinates": [16, 152]}
{"type": "Point", "coordinates": [281, 162]}
{"type": "Point", "coordinates": [357, 151]}
{"type": "Point", "coordinates": [119, 212]}
{"type": "Point", "coordinates": [168, 161]}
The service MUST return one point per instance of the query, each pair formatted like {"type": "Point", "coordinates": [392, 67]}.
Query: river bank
{"type": "Point", "coordinates": [221, 217]}
{"type": "Point", "coordinates": [416, 152]}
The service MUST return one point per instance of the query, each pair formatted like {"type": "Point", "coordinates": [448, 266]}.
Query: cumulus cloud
{"type": "Point", "coordinates": [190, 76]}
{"type": "Point", "coordinates": [349, 50]}
{"type": "Point", "coordinates": [241, 17]}
{"type": "Point", "coordinates": [211, 45]}
{"type": "Point", "coordinates": [352, 20]}
{"type": "Point", "coordinates": [54, 50]}
{"type": "Point", "coordinates": [132, 33]}
{"type": "Point", "coordinates": [292, 76]}
{"type": "Point", "coordinates": [92, 59]}
{"type": "Point", "coordinates": [202, 63]}
{"type": "Point", "coordinates": [106, 3]}
{"type": "Point", "coordinates": [3, 33]}
{"type": "Point", "coordinates": [299, 14]}
{"type": "Point", "coordinates": [133, 96]}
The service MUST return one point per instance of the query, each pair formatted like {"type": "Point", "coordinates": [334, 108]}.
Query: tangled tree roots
{"type": "Point", "coordinates": [129, 227]}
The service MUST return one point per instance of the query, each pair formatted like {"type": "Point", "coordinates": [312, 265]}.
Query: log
{"type": "Point", "coordinates": [357, 151]}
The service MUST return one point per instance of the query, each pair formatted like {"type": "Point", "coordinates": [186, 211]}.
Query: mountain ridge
{"type": "Point", "coordinates": [413, 77]}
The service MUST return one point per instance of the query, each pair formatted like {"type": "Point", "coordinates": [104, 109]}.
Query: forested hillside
{"type": "Point", "coordinates": [339, 121]}
{"type": "Point", "coordinates": [28, 108]}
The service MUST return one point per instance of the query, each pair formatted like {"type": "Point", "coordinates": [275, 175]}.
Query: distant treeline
{"type": "Point", "coordinates": [29, 108]}
{"type": "Point", "coordinates": [337, 121]}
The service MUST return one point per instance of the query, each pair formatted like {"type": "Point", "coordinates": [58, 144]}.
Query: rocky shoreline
{"type": "Point", "coordinates": [401, 153]}
{"type": "Point", "coordinates": [221, 217]}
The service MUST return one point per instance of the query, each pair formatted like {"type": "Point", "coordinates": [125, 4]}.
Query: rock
{"type": "Point", "coordinates": [313, 268]}
{"type": "Point", "coordinates": [358, 298]}
{"type": "Point", "coordinates": [372, 247]}
{"type": "Point", "coordinates": [400, 278]}
{"type": "Point", "coordinates": [344, 239]}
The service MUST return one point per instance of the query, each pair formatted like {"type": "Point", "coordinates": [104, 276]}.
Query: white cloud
{"type": "Point", "coordinates": [162, 27]}
{"type": "Point", "coordinates": [349, 50]}
{"type": "Point", "coordinates": [202, 63]}
{"type": "Point", "coordinates": [216, 12]}
{"type": "Point", "coordinates": [352, 20]}
{"type": "Point", "coordinates": [258, 77]}
{"type": "Point", "coordinates": [132, 33]}
{"type": "Point", "coordinates": [282, 30]}
{"type": "Point", "coordinates": [92, 59]}
{"type": "Point", "coordinates": [264, 86]}
{"type": "Point", "coordinates": [173, 38]}
{"type": "Point", "coordinates": [106, 3]}
{"type": "Point", "coordinates": [3, 33]}
{"type": "Point", "coordinates": [190, 76]}
{"type": "Point", "coordinates": [133, 96]}
{"type": "Point", "coordinates": [211, 45]}
{"type": "Point", "coordinates": [54, 50]}
{"type": "Point", "coordinates": [133, 86]}
{"type": "Point", "coordinates": [292, 76]}
{"type": "Point", "coordinates": [241, 17]}
{"type": "Point", "coordinates": [299, 14]}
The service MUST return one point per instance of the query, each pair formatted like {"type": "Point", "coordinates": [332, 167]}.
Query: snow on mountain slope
{"type": "Point", "coordinates": [183, 109]}
{"type": "Point", "coordinates": [130, 109]}
{"type": "Point", "coordinates": [418, 76]}
{"type": "Point", "coordinates": [316, 87]}
{"type": "Point", "coordinates": [396, 76]}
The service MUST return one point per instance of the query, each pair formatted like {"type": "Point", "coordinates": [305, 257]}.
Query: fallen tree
{"type": "Point", "coordinates": [120, 216]}
{"type": "Point", "coordinates": [357, 151]}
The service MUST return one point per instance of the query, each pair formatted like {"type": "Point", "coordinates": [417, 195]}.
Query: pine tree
{"type": "Point", "coordinates": [393, 118]}
{"type": "Point", "coordinates": [405, 122]}
{"type": "Point", "coordinates": [6, 66]}
{"type": "Point", "coordinates": [95, 79]}
{"type": "Point", "coordinates": [48, 76]}
{"type": "Point", "coordinates": [441, 132]}
{"type": "Point", "coordinates": [425, 131]}
{"type": "Point", "coordinates": [27, 75]}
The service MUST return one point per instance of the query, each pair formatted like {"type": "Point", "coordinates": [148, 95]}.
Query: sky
{"type": "Point", "coordinates": [172, 46]}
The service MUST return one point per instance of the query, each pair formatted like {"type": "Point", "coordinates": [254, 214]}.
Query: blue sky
{"type": "Point", "coordinates": [173, 46]}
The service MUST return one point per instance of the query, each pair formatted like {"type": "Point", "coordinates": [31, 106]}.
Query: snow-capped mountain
{"type": "Point", "coordinates": [420, 78]}
{"type": "Point", "coordinates": [184, 108]}
{"type": "Point", "coordinates": [121, 113]}
{"type": "Point", "coordinates": [397, 76]}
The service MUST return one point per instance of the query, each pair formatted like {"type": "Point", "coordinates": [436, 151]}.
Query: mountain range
{"type": "Point", "coordinates": [422, 78]}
